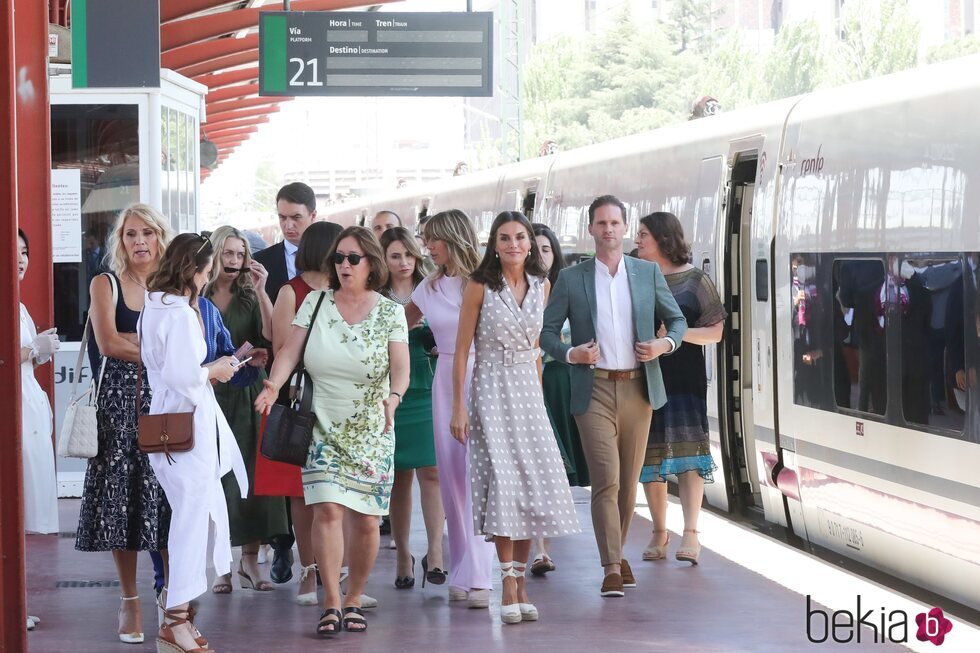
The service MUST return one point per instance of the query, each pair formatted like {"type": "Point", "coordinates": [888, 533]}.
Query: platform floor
{"type": "Point", "coordinates": [717, 606]}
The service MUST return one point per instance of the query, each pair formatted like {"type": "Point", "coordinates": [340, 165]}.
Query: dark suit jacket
{"type": "Point", "coordinates": [274, 260]}
{"type": "Point", "coordinates": [573, 299]}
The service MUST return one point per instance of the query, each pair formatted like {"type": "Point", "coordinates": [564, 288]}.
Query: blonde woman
{"type": "Point", "coordinates": [415, 454]}
{"type": "Point", "coordinates": [237, 289]}
{"type": "Point", "coordinates": [452, 246]}
{"type": "Point", "coordinates": [123, 508]}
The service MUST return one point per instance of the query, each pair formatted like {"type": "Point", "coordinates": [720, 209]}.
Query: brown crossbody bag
{"type": "Point", "coordinates": [166, 433]}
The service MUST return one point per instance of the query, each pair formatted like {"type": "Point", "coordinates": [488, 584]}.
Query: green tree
{"type": "Point", "coordinates": [878, 37]}
{"type": "Point", "coordinates": [960, 47]}
{"type": "Point", "coordinates": [691, 24]}
{"type": "Point", "coordinates": [796, 63]}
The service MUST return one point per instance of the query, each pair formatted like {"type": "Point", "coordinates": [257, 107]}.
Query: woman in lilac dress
{"type": "Point", "coordinates": [452, 244]}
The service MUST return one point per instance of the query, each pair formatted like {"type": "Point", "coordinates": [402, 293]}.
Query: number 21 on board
{"type": "Point", "coordinates": [296, 81]}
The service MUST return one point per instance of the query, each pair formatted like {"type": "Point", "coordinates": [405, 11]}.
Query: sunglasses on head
{"type": "Point", "coordinates": [354, 259]}
{"type": "Point", "coordinates": [203, 245]}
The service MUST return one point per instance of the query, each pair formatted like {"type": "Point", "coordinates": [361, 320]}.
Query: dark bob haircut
{"type": "Point", "coordinates": [373, 256]}
{"type": "Point", "coordinates": [489, 272]}
{"type": "Point", "coordinates": [27, 243]}
{"type": "Point", "coordinates": [666, 229]}
{"type": "Point", "coordinates": [559, 261]}
{"type": "Point", "coordinates": [315, 244]}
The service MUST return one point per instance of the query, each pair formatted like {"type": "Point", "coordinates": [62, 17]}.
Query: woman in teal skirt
{"type": "Point", "coordinates": [415, 453]}
{"type": "Point", "coordinates": [557, 390]}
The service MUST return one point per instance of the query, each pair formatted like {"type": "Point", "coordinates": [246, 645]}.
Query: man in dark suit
{"type": "Point", "coordinates": [296, 206]}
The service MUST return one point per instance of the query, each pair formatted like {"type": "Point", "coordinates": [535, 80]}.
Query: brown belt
{"type": "Point", "coordinates": [619, 375]}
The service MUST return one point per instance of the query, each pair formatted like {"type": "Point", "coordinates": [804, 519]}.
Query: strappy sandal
{"type": "Point", "coordinates": [246, 581]}
{"type": "Point", "coordinates": [509, 614]}
{"type": "Point", "coordinates": [542, 565]}
{"type": "Point", "coordinates": [134, 637]}
{"type": "Point", "coordinates": [167, 641]}
{"type": "Point", "coordinates": [350, 620]}
{"type": "Point", "coordinates": [326, 627]}
{"type": "Point", "coordinates": [657, 551]}
{"type": "Point", "coordinates": [528, 611]}
{"type": "Point", "coordinates": [222, 587]}
{"type": "Point", "coordinates": [689, 553]}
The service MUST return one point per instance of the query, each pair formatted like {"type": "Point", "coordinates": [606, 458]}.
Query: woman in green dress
{"type": "Point", "coordinates": [237, 288]}
{"type": "Point", "coordinates": [357, 358]}
{"type": "Point", "coordinates": [415, 451]}
{"type": "Point", "coordinates": [557, 389]}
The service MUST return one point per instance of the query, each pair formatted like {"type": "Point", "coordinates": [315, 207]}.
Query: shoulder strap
{"type": "Point", "coordinates": [300, 367]}
{"type": "Point", "coordinates": [83, 347]}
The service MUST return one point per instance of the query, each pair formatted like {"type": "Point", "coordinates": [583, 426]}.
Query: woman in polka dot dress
{"type": "Point", "coordinates": [520, 490]}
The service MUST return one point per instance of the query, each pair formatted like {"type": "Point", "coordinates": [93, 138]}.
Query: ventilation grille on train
{"type": "Point", "coordinates": [81, 584]}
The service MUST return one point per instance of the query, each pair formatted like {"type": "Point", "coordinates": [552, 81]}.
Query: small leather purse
{"type": "Point", "coordinates": [166, 433]}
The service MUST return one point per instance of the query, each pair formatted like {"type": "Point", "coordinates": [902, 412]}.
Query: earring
{"type": "Point", "coordinates": [496, 254]}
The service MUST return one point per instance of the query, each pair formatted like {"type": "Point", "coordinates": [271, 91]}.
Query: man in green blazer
{"type": "Point", "coordinates": [613, 304]}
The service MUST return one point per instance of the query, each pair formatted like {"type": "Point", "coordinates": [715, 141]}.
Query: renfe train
{"type": "Point", "coordinates": [843, 230]}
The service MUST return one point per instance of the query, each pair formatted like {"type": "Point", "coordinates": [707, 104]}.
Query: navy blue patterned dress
{"type": "Point", "coordinates": [679, 431]}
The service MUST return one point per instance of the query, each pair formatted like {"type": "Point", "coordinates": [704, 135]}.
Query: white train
{"type": "Point", "coordinates": [843, 230]}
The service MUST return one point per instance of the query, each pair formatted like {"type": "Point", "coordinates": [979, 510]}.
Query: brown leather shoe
{"type": "Point", "coordinates": [612, 585]}
{"type": "Point", "coordinates": [629, 580]}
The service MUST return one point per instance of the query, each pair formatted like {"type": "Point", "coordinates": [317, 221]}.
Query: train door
{"type": "Point", "coordinates": [737, 350]}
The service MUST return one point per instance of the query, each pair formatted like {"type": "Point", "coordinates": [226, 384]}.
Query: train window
{"type": "Point", "coordinates": [761, 280]}
{"type": "Point", "coordinates": [813, 348]}
{"type": "Point", "coordinates": [861, 368]}
{"type": "Point", "coordinates": [929, 290]}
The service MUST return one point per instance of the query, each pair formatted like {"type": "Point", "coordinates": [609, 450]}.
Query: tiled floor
{"type": "Point", "coordinates": [716, 606]}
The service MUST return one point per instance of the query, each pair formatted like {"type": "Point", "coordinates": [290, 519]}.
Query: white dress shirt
{"type": "Point", "coordinates": [614, 318]}
{"type": "Point", "coordinates": [290, 258]}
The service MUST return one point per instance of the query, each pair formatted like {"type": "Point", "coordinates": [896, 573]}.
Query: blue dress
{"type": "Point", "coordinates": [219, 343]}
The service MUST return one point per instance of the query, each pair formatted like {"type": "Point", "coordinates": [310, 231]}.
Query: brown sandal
{"type": "Point", "coordinates": [167, 641]}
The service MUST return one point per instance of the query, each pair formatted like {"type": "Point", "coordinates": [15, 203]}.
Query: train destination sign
{"type": "Point", "coordinates": [375, 54]}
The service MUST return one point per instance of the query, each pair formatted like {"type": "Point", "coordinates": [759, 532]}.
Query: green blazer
{"type": "Point", "coordinates": [573, 299]}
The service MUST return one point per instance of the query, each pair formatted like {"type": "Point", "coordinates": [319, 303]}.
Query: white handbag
{"type": "Point", "coordinates": [79, 436]}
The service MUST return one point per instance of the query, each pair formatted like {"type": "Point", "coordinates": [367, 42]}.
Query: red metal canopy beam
{"type": "Point", "coordinates": [241, 131]}
{"type": "Point", "coordinates": [233, 92]}
{"type": "Point", "coordinates": [241, 103]}
{"type": "Point", "coordinates": [196, 53]}
{"type": "Point", "coordinates": [220, 63]}
{"type": "Point", "coordinates": [192, 30]}
{"type": "Point", "coordinates": [174, 9]}
{"type": "Point", "coordinates": [222, 125]}
{"type": "Point", "coordinates": [238, 115]}
{"type": "Point", "coordinates": [229, 78]}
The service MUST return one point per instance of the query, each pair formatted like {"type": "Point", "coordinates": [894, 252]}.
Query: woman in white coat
{"type": "Point", "coordinates": [172, 348]}
{"type": "Point", "coordinates": [40, 485]}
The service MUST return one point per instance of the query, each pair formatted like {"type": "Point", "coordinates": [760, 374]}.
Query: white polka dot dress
{"type": "Point", "coordinates": [520, 489]}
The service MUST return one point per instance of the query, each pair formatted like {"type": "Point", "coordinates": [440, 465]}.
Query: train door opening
{"type": "Point", "coordinates": [736, 397]}
{"type": "Point", "coordinates": [527, 205]}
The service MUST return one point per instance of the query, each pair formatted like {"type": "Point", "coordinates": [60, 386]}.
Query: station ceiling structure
{"type": "Point", "coordinates": [216, 43]}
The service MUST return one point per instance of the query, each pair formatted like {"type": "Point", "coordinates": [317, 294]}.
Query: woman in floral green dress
{"type": "Point", "coordinates": [357, 356]}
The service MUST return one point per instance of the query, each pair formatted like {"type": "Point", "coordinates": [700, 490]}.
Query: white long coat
{"type": "Point", "coordinates": [172, 347]}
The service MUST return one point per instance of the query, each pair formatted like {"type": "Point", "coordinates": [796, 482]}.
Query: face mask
{"type": "Point", "coordinates": [802, 272]}
{"type": "Point", "coordinates": [906, 271]}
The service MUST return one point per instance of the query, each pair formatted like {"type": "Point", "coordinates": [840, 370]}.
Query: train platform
{"type": "Point", "coordinates": [748, 594]}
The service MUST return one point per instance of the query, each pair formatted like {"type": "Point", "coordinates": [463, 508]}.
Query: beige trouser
{"type": "Point", "coordinates": [614, 433]}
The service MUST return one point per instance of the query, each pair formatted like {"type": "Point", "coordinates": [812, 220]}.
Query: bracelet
{"type": "Point", "coordinates": [397, 394]}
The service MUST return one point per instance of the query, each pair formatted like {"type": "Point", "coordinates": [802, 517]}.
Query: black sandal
{"type": "Point", "coordinates": [358, 620]}
{"type": "Point", "coordinates": [329, 626]}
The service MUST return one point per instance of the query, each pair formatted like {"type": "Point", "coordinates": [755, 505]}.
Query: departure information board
{"type": "Point", "coordinates": [375, 53]}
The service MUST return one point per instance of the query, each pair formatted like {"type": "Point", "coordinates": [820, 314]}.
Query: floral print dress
{"type": "Point", "coordinates": [351, 460]}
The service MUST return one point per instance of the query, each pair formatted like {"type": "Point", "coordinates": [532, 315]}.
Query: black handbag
{"type": "Point", "coordinates": [288, 430]}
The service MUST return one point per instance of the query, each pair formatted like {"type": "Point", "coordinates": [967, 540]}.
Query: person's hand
{"type": "Point", "coordinates": [223, 369]}
{"type": "Point", "coordinates": [651, 349]}
{"type": "Point", "coordinates": [459, 426]}
{"type": "Point", "coordinates": [260, 357]}
{"type": "Point", "coordinates": [585, 354]}
{"type": "Point", "coordinates": [45, 344]}
{"type": "Point", "coordinates": [259, 275]}
{"type": "Point", "coordinates": [391, 404]}
{"type": "Point", "coordinates": [267, 397]}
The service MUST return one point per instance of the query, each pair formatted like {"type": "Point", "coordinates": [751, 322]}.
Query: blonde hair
{"type": "Point", "coordinates": [455, 229]}
{"type": "Point", "coordinates": [118, 260]}
{"type": "Point", "coordinates": [242, 285]}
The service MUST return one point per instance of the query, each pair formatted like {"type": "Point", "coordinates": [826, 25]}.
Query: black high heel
{"type": "Point", "coordinates": [406, 582]}
{"type": "Point", "coordinates": [436, 576]}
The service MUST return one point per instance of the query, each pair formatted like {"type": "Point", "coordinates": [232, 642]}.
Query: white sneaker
{"type": "Point", "coordinates": [457, 594]}
{"type": "Point", "coordinates": [480, 600]}
{"type": "Point", "coordinates": [368, 602]}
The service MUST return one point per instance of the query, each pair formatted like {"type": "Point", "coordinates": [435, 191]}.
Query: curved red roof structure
{"type": "Point", "coordinates": [216, 43]}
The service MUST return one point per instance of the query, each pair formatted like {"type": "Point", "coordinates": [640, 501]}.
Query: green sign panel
{"type": "Point", "coordinates": [375, 54]}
